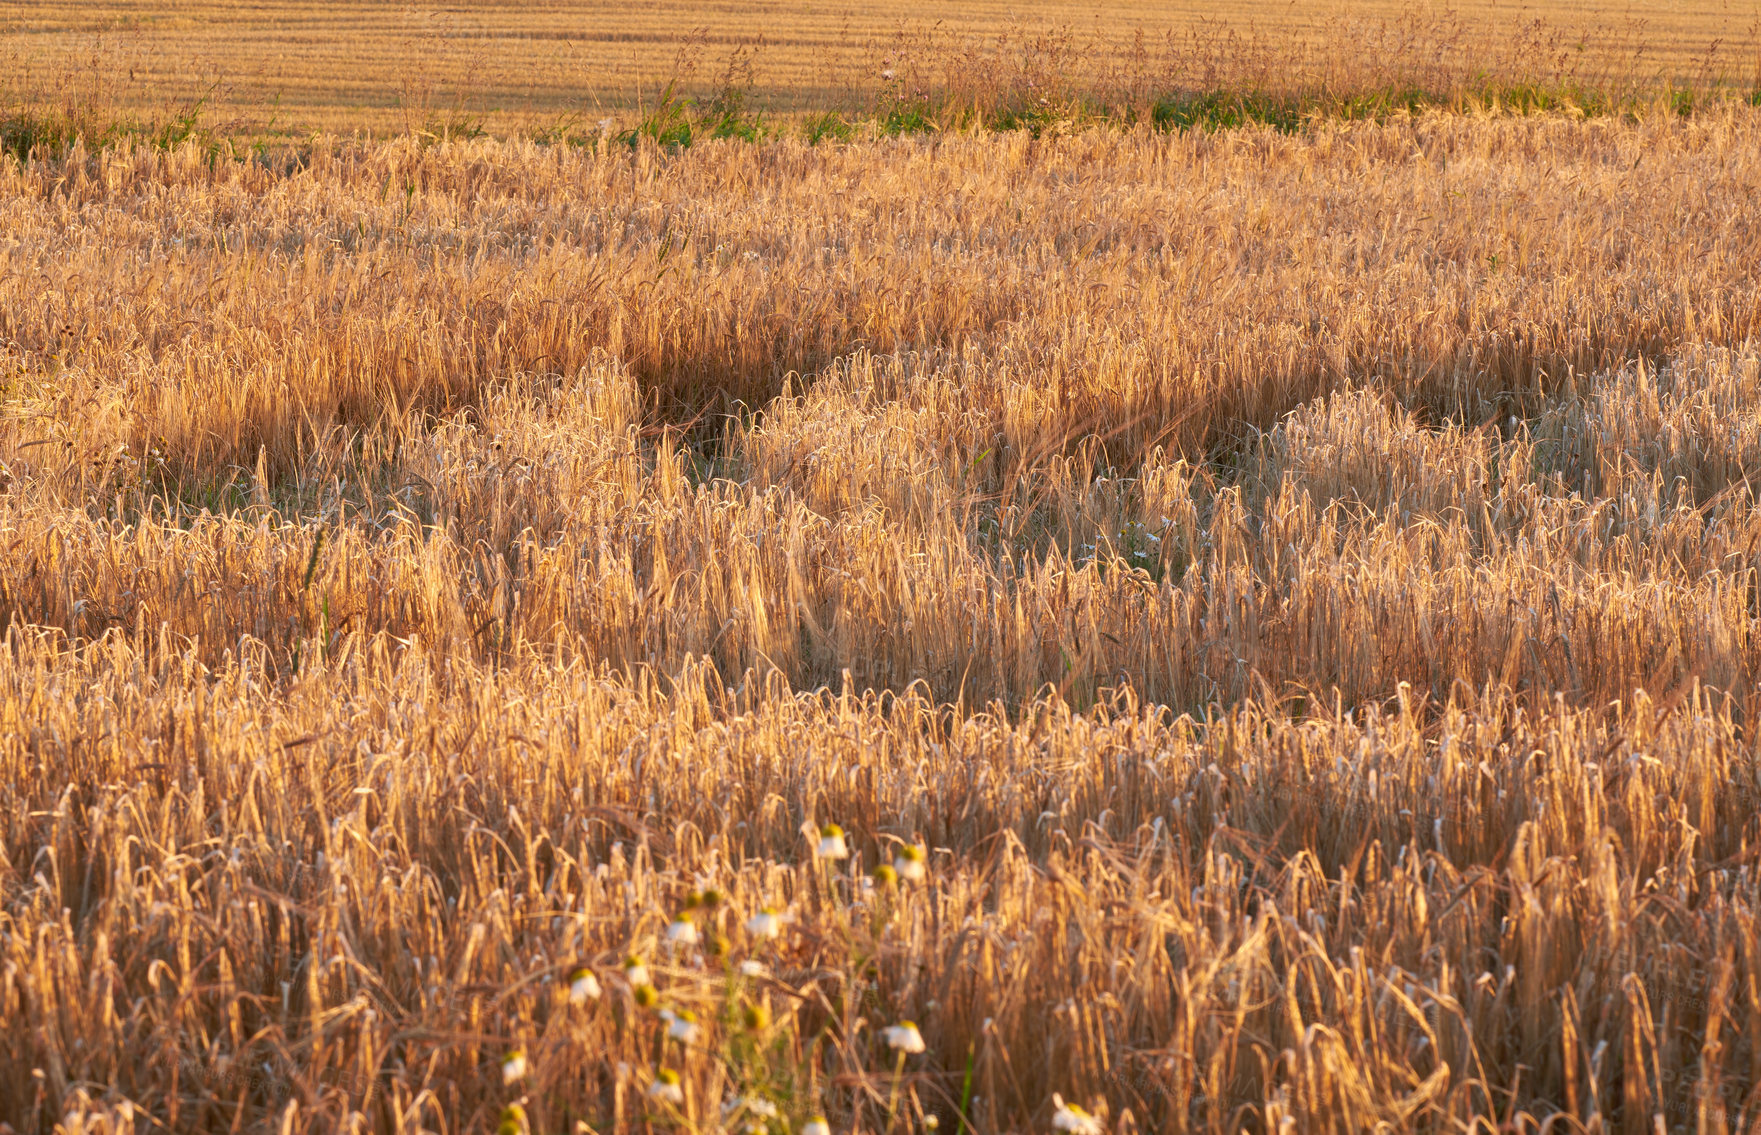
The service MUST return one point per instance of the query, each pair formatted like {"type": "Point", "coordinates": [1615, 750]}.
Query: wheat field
{"type": "Point", "coordinates": [1090, 628]}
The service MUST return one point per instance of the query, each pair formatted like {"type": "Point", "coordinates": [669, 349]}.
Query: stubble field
{"type": "Point", "coordinates": [282, 68]}
{"type": "Point", "coordinates": [1271, 615]}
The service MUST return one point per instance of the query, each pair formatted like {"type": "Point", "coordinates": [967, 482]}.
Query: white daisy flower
{"type": "Point", "coordinates": [681, 1026]}
{"type": "Point", "coordinates": [817, 1126]}
{"type": "Point", "coordinates": [513, 1066]}
{"type": "Point", "coordinates": [666, 1089]}
{"type": "Point", "coordinates": [1073, 1119]}
{"type": "Point", "coordinates": [635, 973]}
{"type": "Point", "coordinates": [513, 1121]}
{"type": "Point", "coordinates": [766, 924]}
{"type": "Point", "coordinates": [682, 931]}
{"type": "Point", "coordinates": [912, 863]}
{"type": "Point", "coordinates": [831, 843]}
{"type": "Point", "coordinates": [583, 986]}
{"type": "Point", "coordinates": [752, 1105]}
{"type": "Point", "coordinates": [750, 968]}
{"type": "Point", "coordinates": [904, 1037]}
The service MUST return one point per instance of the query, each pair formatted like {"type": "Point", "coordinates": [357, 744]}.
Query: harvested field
{"type": "Point", "coordinates": [276, 67]}
{"type": "Point", "coordinates": [1272, 615]}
